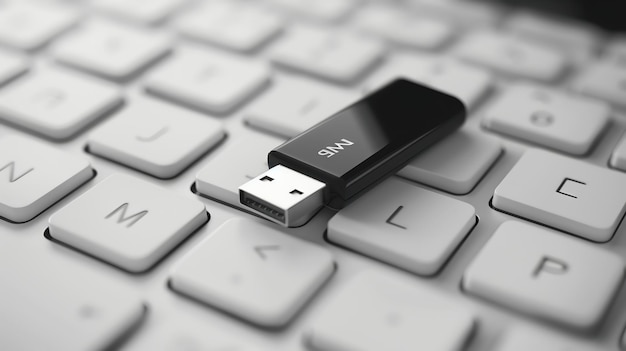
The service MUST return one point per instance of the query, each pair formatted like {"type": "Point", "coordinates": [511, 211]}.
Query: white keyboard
{"type": "Point", "coordinates": [126, 128]}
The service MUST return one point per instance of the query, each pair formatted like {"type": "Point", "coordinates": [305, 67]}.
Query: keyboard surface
{"type": "Point", "coordinates": [126, 128]}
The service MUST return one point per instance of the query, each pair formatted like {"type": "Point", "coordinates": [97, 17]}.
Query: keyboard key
{"type": "Point", "coordinates": [209, 80]}
{"type": "Point", "coordinates": [141, 11]}
{"type": "Point", "coordinates": [618, 158]}
{"type": "Point", "coordinates": [403, 27]}
{"type": "Point", "coordinates": [461, 13]}
{"type": "Point", "coordinates": [293, 105]}
{"type": "Point", "coordinates": [110, 49]}
{"type": "Point", "coordinates": [448, 75]}
{"type": "Point", "coordinates": [221, 178]}
{"type": "Point", "coordinates": [455, 164]}
{"type": "Point", "coordinates": [253, 271]}
{"type": "Point", "coordinates": [330, 54]}
{"type": "Point", "coordinates": [33, 176]}
{"type": "Point", "coordinates": [548, 117]}
{"type": "Point", "coordinates": [230, 24]}
{"type": "Point", "coordinates": [11, 66]}
{"type": "Point", "coordinates": [524, 339]}
{"type": "Point", "coordinates": [545, 274]}
{"type": "Point", "coordinates": [376, 311]}
{"type": "Point", "coordinates": [576, 38]}
{"type": "Point", "coordinates": [39, 103]}
{"type": "Point", "coordinates": [510, 55]}
{"type": "Point", "coordinates": [156, 138]}
{"type": "Point", "coordinates": [567, 194]}
{"type": "Point", "coordinates": [127, 222]}
{"type": "Point", "coordinates": [46, 306]}
{"type": "Point", "coordinates": [603, 80]}
{"type": "Point", "coordinates": [323, 10]}
{"type": "Point", "coordinates": [28, 26]}
{"type": "Point", "coordinates": [403, 225]}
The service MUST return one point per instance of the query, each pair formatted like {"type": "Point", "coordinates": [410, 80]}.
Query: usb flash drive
{"type": "Point", "coordinates": [343, 156]}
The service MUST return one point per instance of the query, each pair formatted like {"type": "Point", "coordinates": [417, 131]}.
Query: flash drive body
{"type": "Point", "coordinates": [371, 139]}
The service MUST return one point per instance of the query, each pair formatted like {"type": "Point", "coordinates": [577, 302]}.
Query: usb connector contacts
{"type": "Point", "coordinates": [342, 157]}
{"type": "Point", "coordinates": [283, 195]}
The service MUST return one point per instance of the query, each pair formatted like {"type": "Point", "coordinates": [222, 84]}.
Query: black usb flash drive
{"type": "Point", "coordinates": [338, 159]}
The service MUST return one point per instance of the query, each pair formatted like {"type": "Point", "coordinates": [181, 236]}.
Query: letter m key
{"type": "Point", "coordinates": [14, 176]}
{"type": "Point", "coordinates": [131, 219]}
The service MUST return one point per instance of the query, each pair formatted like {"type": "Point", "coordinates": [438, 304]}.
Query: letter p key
{"type": "Point", "coordinates": [550, 265]}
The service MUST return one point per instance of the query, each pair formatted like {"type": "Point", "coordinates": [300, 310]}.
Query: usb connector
{"type": "Point", "coordinates": [283, 195]}
{"type": "Point", "coordinates": [342, 157]}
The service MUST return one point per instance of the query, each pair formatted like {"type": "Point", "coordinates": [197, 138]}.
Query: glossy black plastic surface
{"type": "Point", "coordinates": [371, 139]}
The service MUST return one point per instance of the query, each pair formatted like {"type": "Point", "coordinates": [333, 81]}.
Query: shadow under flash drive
{"type": "Point", "coordinates": [343, 156]}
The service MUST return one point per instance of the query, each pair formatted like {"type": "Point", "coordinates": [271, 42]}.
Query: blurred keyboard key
{"type": "Point", "coordinates": [157, 138]}
{"type": "Point", "coordinates": [618, 158]}
{"type": "Point", "coordinates": [403, 225]}
{"type": "Point", "coordinates": [603, 80]}
{"type": "Point", "coordinates": [576, 38]}
{"type": "Point", "coordinates": [323, 10]}
{"type": "Point", "coordinates": [140, 11]}
{"type": "Point", "coordinates": [208, 80]}
{"type": "Point", "coordinates": [548, 117]}
{"type": "Point", "coordinates": [221, 176]}
{"type": "Point", "coordinates": [567, 194]}
{"type": "Point", "coordinates": [110, 49]}
{"type": "Point", "coordinates": [293, 105]}
{"type": "Point", "coordinates": [545, 274]}
{"type": "Point", "coordinates": [454, 164]}
{"type": "Point", "coordinates": [127, 222]}
{"type": "Point", "coordinates": [230, 24]}
{"type": "Point", "coordinates": [254, 272]}
{"type": "Point", "coordinates": [510, 55]}
{"type": "Point", "coordinates": [337, 56]}
{"type": "Point", "coordinates": [376, 311]}
{"type": "Point", "coordinates": [461, 13]}
{"type": "Point", "coordinates": [33, 176]}
{"type": "Point", "coordinates": [524, 339]}
{"type": "Point", "coordinates": [403, 27]}
{"type": "Point", "coordinates": [39, 103]}
{"type": "Point", "coordinates": [466, 82]}
{"type": "Point", "coordinates": [11, 66]}
{"type": "Point", "coordinates": [27, 26]}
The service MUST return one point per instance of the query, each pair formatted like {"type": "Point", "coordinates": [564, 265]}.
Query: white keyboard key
{"type": "Point", "coordinates": [232, 25]}
{"type": "Point", "coordinates": [618, 158]}
{"type": "Point", "coordinates": [253, 271]}
{"type": "Point", "coordinates": [548, 117]}
{"type": "Point", "coordinates": [461, 13]}
{"type": "Point", "coordinates": [208, 80]}
{"type": "Point", "coordinates": [33, 176]}
{"type": "Point", "coordinates": [403, 27]}
{"type": "Point", "coordinates": [456, 163]}
{"type": "Point", "coordinates": [293, 105]}
{"type": "Point", "coordinates": [11, 66]}
{"type": "Point", "coordinates": [142, 11]}
{"type": "Point", "coordinates": [403, 225]}
{"type": "Point", "coordinates": [567, 194]}
{"type": "Point", "coordinates": [330, 54]}
{"type": "Point", "coordinates": [545, 274]}
{"type": "Point", "coordinates": [127, 222]}
{"type": "Point", "coordinates": [603, 80]}
{"type": "Point", "coordinates": [524, 339]}
{"type": "Point", "coordinates": [324, 10]}
{"type": "Point", "coordinates": [157, 138]}
{"type": "Point", "coordinates": [510, 55]}
{"type": "Point", "coordinates": [28, 26]}
{"type": "Point", "coordinates": [48, 308]}
{"type": "Point", "coordinates": [576, 38]}
{"type": "Point", "coordinates": [376, 311]}
{"type": "Point", "coordinates": [448, 75]}
{"type": "Point", "coordinates": [111, 49]}
{"type": "Point", "coordinates": [221, 178]}
{"type": "Point", "coordinates": [39, 103]}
